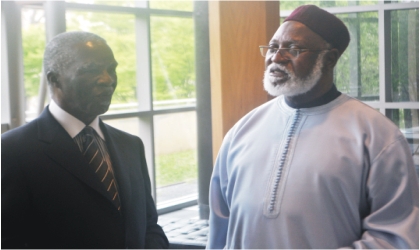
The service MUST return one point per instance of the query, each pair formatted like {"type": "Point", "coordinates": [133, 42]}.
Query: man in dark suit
{"type": "Point", "coordinates": [52, 196]}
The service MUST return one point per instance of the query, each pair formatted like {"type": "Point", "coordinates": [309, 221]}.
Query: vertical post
{"type": "Point", "coordinates": [13, 31]}
{"type": "Point", "coordinates": [385, 75]}
{"type": "Point", "coordinates": [5, 109]}
{"type": "Point", "coordinates": [145, 89]}
{"type": "Point", "coordinates": [354, 48]}
{"type": "Point", "coordinates": [55, 23]}
{"type": "Point", "coordinates": [204, 130]}
{"type": "Point", "coordinates": [55, 18]}
{"type": "Point", "coordinates": [236, 29]}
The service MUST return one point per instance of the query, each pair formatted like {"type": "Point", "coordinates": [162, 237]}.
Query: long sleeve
{"type": "Point", "coordinates": [219, 208]}
{"type": "Point", "coordinates": [392, 192]}
{"type": "Point", "coordinates": [155, 237]}
{"type": "Point", "coordinates": [15, 205]}
{"type": "Point", "coordinates": [354, 186]}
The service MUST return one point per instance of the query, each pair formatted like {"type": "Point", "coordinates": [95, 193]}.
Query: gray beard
{"type": "Point", "coordinates": [294, 85]}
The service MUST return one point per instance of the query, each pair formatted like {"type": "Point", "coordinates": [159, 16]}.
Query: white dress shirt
{"type": "Point", "coordinates": [71, 124]}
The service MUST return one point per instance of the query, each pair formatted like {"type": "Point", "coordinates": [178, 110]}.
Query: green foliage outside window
{"type": "Point", "coordinates": [33, 42]}
{"type": "Point", "coordinates": [357, 71]}
{"type": "Point", "coordinates": [172, 50]}
{"type": "Point", "coordinates": [172, 58]}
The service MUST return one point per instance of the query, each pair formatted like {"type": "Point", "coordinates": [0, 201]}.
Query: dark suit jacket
{"type": "Point", "coordinates": [52, 199]}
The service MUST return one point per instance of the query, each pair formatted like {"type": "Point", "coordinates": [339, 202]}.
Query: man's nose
{"type": "Point", "coordinates": [106, 78]}
{"type": "Point", "coordinates": [278, 57]}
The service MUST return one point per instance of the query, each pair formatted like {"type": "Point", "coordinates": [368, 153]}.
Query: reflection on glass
{"type": "Point", "coordinates": [408, 122]}
{"type": "Point", "coordinates": [291, 5]}
{"type": "Point", "coordinates": [33, 43]}
{"type": "Point", "coordinates": [173, 61]}
{"type": "Point", "coordinates": [357, 70]}
{"type": "Point", "coordinates": [172, 5]}
{"type": "Point", "coordinates": [404, 55]}
{"type": "Point", "coordinates": [175, 156]}
{"type": "Point", "coordinates": [118, 30]}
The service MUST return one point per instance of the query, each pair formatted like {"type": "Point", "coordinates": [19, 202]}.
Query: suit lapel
{"type": "Point", "coordinates": [62, 149]}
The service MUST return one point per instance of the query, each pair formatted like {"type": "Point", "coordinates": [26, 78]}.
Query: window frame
{"type": "Point", "coordinates": [145, 112]}
{"type": "Point", "coordinates": [384, 30]}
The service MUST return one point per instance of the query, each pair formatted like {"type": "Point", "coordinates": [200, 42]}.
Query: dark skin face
{"type": "Point", "coordinates": [84, 89]}
{"type": "Point", "coordinates": [296, 35]}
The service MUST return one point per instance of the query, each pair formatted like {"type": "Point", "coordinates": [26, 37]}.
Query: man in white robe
{"type": "Point", "coordinates": [312, 168]}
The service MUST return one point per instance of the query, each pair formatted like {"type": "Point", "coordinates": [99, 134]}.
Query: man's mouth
{"type": "Point", "coordinates": [279, 75]}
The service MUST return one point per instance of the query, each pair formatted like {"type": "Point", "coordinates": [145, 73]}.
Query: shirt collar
{"type": "Point", "coordinates": [71, 124]}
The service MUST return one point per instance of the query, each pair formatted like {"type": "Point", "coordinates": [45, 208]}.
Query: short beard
{"type": "Point", "coordinates": [294, 85]}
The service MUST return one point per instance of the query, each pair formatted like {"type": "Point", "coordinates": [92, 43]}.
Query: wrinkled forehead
{"type": "Point", "coordinates": [93, 51]}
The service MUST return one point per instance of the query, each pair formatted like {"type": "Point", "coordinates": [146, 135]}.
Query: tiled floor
{"type": "Point", "coordinates": [184, 228]}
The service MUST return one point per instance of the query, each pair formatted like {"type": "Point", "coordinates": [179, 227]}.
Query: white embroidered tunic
{"type": "Point", "coordinates": [336, 175]}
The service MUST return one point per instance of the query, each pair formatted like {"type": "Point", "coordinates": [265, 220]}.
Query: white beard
{"type": "Point", "coordinates": [294, 85]}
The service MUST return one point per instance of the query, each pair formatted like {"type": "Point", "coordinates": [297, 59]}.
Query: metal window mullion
{"type": "Point", "coordinates": [393, 105]}
{"type": "Point", "coordinates": [144, 93]}
{"type": "Point", "coordinates": [13, 31]}
{"type": "Point", "coordinates": [55, 23]}
{"type": "Point", "coordinates": [5, 107]}
{"type": "Point", "coordinates": [362, 8]}
{"type": "Point", "coordinates": [204, 121]}
{"type": "Point", "coordinates": [384, 35]}
{"type": "Point", "coordinates": [140, 9]}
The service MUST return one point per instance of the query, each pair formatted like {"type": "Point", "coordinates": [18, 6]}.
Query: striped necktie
{"type": "Point", "coordinates": [95, 152]}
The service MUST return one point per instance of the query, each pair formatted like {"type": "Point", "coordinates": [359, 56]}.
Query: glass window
{"type": "Point", "coordinates": [102, 2]}
{"type": "Point", "coordinates": [118, 30]}
{"type": "Point", "coordinates": [408, 122]}
{"type": "Point", "coordinates": [33, 43]}
{"type": "Point", "coordinates": [291, 5]}
{"type": "Point", "coordinates": [173, 67]}
{"type": "Point", "coordinates": [404, 55]}
{"type": "Point", "coordinates": [172, 5]}
{"type": "Point", "coordinates": [400, 1]}
{"type": "Point", "coordinates": [175, 155]}
{"type": "Point", "coordinates": [357, 71]}
{"type": "Point", "coordinates": [130, 125]}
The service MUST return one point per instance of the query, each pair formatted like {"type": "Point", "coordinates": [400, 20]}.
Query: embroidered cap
{"type": "Point", "coordinates": [325, 24]}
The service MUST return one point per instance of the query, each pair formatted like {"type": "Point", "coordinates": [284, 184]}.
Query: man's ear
{"type": "Point", "coordinates": [331, 58]}
{"type": "Point", "coordinates": [52, 78]}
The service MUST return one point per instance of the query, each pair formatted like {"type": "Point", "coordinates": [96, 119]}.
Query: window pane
{"type": "Point", "coordinates": [33, 43]}
{"type": "Point", "coordinates": [175, 155]}
{"type": "Point", "coordinates": [173, 63]}
{"type": "Point", "coordinates": [172, 5]}
{"type": "Point", "coordinates": [401, 1]}
{"type": "Point", "coordinates": [129, 125]}
{"type": "Point", "coordinates": [357, 71]}
{"type": "Point", "coordinates": [291, 5]}
{"type": "Point", "coordinates": [408, 121]}
{"type": "Point", "coordinates": [118, 31]}
{"type": "Point", "coordinates": [404, 55]}
{"type": "Point", "coordinates": [102, 2]}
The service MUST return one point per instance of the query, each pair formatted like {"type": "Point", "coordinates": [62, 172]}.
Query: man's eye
{"type": "Point", "coordinates": [90, 71]}
{"type": "Point", "coordinates": [272, 50]}
{"type": "Point", "coordinates": [112, 70]}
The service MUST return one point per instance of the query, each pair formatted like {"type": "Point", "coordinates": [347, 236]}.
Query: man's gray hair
{"type": "Point", "coordinates": [59, 51]}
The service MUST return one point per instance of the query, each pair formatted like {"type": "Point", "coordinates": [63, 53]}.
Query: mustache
{"type": "Point", "coordinates": [276, 67]}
